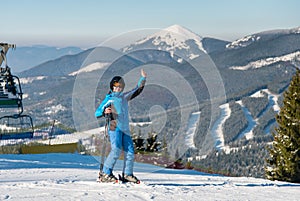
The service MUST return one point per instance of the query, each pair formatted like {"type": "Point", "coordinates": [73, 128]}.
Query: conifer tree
{"type": "Point", "coordinates": [138, 141]}
{"type": "Point", "coordinates": [152, 144]}
{"type": "Point", "coordinates": [284, 159]}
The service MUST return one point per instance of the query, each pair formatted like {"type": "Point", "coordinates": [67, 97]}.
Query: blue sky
{"type": "Point", "coordinates": [86, 23]}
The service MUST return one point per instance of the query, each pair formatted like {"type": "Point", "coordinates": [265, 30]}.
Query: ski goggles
{"type": "Point", "coordinates": [117, 85]}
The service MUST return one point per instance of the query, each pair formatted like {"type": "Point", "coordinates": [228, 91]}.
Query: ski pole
{"type": "Point", "coordinates": [104, 143]}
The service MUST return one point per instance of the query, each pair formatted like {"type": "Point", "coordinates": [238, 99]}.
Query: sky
{"type": "Point", "coordinates": [86, 23]}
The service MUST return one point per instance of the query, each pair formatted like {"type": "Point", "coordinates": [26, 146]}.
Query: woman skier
{"type": "Point", "coordinates": [115, 104]}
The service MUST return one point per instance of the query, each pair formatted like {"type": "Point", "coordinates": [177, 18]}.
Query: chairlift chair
{"type": "Point", "coordinates": [16, 125]}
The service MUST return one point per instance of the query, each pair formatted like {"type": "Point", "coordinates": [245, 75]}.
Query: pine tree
{"type": "Point", "coordinates": [138, 141]}
{"type": "Point", "coordinates": [284, 159]}
{"type": "Point", "coordinates": [152, 144]}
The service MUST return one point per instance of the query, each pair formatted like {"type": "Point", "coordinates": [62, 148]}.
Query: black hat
{"type": "Point", "coordinates": [117, 81]}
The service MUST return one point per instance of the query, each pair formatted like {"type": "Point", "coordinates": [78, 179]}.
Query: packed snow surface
{"type": "Point", "coordinates": [73, 177]}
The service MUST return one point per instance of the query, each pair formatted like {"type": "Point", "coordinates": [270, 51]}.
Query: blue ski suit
{"type": "Point", "coordinates": [119, 130]}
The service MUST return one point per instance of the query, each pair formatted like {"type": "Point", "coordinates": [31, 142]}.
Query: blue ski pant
{"type": "Point", "coordinates": [120, 140]}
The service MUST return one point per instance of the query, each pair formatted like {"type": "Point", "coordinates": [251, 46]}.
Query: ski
{"type": "Point", "coordinates": [107, 182]}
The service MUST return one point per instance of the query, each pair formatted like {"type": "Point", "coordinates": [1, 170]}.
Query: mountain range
{"type": "Point", "coordinates": [26, 57]}
{"type": "Point", "coordinates": [251, 70]}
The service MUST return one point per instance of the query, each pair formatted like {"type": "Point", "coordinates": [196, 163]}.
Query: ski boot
{"type": "Point", "coordinates": [129, 178]}
{"type": "Point", "coordinates": [107, 178]}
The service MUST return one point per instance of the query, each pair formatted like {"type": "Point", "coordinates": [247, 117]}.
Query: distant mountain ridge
{"type": "Point", "coordinates": [23, 58]}
{"type": "Point", "coordinates": [262, 36]}
{"type": "Point", "coordinates": [277, 45]}
{"type": "Point", "coordinates": [58, 67]}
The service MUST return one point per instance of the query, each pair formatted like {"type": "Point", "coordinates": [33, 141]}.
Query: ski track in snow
{"type": "Point", "coordinates": [60, 182]}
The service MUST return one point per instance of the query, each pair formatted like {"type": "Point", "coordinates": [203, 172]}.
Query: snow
{"type": "Point", "coordinates": [273, 102]}
{"type": "Point", "coordinates": [29, 80]}
{"type": "Point", "coordinates": [247, 40]}
{"type": "Point", "coordinates": [192, 126]}
{"type": "Point", "coordinates": [4, 127]}
{"type": "Point", "coordinates": [296, 30]}
{"type": "Point", "coordinates": [54, 109]}
{"type": "Point", "coordinates": [217, 129]}
{"type": "Point", "coordinates": [90, 68]}
{"type": "Point", "coordinates": [273, 99]}
{"type": "Point", "coordinates": [171, 39]}
{"type": "Point", "coordinates": [293, 57]}
{"type": "Point", "coordinates": [258, 94]}
{"type": "Point", "coordinates": [248, 131]}
{"type": "Point", "coordinates": [193, 56]}
{"type": "Point", "coordinates": [73, 177]}
{"type": "Point", "coordinates": [184, 34]}
{"type": "Point", "coordinates": [243, 42]}
{"type": "Point", "coordinates": [141, 124]}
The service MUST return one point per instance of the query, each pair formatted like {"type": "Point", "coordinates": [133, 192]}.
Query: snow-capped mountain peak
{"type": "Point", "coordinates": [174, 39]}
{"type": "Point", "coordinates": [182, 34]}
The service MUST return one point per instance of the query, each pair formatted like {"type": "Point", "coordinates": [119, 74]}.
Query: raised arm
{"type": "Point", "coordinates": [138, 89]}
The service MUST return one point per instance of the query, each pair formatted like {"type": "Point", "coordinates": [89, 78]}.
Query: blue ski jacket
{"type": "Point", "coordinates": [118, 101]}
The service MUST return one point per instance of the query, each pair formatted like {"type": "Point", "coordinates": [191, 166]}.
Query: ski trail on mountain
{"type": "Point", "coordinates": [272, 103]}
{"type": "Point", "coordinates": [217, 129]}
{"type": "Point", "coordinates": [248, 132]}
{"type": "Point", "coordinates": [192, 126]}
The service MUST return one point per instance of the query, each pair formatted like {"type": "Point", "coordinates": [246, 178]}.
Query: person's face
{"type": "Point", "coordinates": [117, 87]}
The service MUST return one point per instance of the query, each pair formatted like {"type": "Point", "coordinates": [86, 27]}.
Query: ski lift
{"type": "Point", "coordinates": [17, 125]}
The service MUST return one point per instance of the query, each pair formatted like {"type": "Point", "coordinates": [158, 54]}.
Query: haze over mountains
{"type": "Point", "coordinates": [23, 58]}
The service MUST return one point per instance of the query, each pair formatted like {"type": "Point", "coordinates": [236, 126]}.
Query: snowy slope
{"type": "Point", "coordinates": [294, 58]}
{"type": "Point", "coordinates": [191, 129]}
{"type": "Point", "coordinates": [243, 42]}
{"type": "Point", "coordinates": [217, 129]}
{"type": "Point", "coordinates": [225, 112]}
{"type": "Point", "coordinates": [90, 68]}
{"type": "Point", "coordinates": [265, 35]}
{"type": "Point", "coordinates": [72, 177]}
